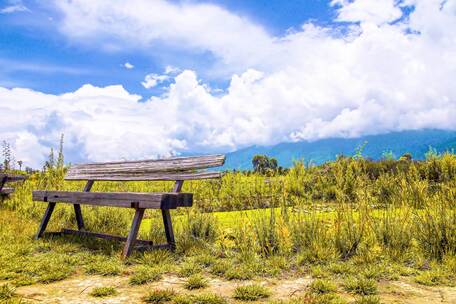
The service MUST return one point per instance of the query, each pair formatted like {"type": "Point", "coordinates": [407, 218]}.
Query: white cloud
{"type": "Point", "coordinates": [312, 83]}
{"type": "Point", "coordinates": [152, 80]}
{"type": "Point", "coordinates": [374, 11]}
{"type": "Point", "coordinates": [117, 24]}
{"type": "Point", "coordinates": [14, 7]}
{"type": "Point", "coordinates": [171, 70]}
{"type": "Point", "coordinates": [128, 65]}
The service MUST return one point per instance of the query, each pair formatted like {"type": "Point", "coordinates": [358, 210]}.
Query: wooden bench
{"type": "Point", "coordinates": [172, 169]}
{"type": "Point", "coordinates": [6, 178]}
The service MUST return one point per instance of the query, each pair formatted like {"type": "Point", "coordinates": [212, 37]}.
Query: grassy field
{"type": "Point", "coordinates": [350, 231]}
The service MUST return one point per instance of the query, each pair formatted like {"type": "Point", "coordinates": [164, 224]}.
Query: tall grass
{"type": "Point", "coordinates": [315, 212]}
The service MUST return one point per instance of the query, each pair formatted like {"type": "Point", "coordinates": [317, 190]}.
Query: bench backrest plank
{"type": "Point", "coordinates": [11, 177]}
{"type": "Point", "coordinates": [179, 168]}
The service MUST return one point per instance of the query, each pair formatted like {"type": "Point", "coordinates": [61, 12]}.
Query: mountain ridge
{"type": "Point", "coordinates": [416, 142]}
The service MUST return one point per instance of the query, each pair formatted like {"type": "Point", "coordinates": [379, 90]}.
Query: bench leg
{"type": "Point", "coordinates": [78, 213]}
{"type": "Point", "coordinates": [45, 220]}
{"type": "Point", "coordinates": [168, 229]}
{"type": "Point", "coordinates": [133, 232]}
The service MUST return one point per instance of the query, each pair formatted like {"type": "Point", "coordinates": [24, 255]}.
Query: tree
{"type": "Point", "coordinates": [263, 164]}
{"type": "Point", "coordinates": [406, 157]}
{"type": "Point", "coordinates": [19, 162]}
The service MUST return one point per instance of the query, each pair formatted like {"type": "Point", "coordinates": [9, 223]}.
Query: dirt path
{"type": "Point", "coordinates": [76, 290]}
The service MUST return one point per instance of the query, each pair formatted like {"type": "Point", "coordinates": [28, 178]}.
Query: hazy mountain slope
{"type": "Point", "coordinates": [415, 142]}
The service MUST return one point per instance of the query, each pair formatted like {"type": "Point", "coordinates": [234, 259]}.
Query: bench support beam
{"type": "Point", "coordinates": [131, 239]}
{"type": "Point", "coordinates": [168, 229]}
{"type": "Point", "coordinates": [79, 219]}
{"type": "Point", "coordinates": [77, 207]}
{"type": "Point", "coordinates": [45, 220]}
{"type": "Point", "coordinates": [167, 223]}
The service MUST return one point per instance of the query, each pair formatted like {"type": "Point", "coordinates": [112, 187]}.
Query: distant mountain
{"type": "Point", "coordinates": [415, 142]}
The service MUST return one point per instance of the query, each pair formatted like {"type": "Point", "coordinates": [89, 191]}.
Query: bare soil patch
{"type": "Point", "coordinates": [77, 289]}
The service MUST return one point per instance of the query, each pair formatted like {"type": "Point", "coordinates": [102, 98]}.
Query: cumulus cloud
{"type": "Point", "coordinates": [378, 12]}
{"type": "Point", "coordinates": [128, 65]}
{"type": "Point", "coordinates": [317, 82]}
{"type": "Point", "coordinates": [152, 80]}
{"type": "Point", "coordinates": [142, 23]}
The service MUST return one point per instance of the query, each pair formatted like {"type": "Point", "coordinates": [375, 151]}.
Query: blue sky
{"type": "Point", "coordinates": [34, 54]}
{"type": "Point", "coordinates": [216, 76]}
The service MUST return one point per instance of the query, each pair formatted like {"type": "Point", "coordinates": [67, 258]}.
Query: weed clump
{"type": "Point", "coordinates": [251, 292]}
{"type": "Point", "coordinates": [144, 275]}
{"type": "Point", "coordinates": [101, 292]}
{"type": "Point", "coordinates": [159, 296]}
{"type": "Point", "coordinates": [321, 286]}
{"type": "Point", "coordinates": [368, 300]}
{"type": "Point", "coordinates": [189, 268]}
{"type": "Point", "coordinates": [206, 298]}
{"type": "Point", "coordinates": [104, 266]}
{"type": "Point", "coordinates": [7, 292]}
{"type": "Point", "coordinates": [361, 286]}
{"type": "Point", "coordinates": [195, 281]}
{"type": "Point", "coordinates": [238, 273]}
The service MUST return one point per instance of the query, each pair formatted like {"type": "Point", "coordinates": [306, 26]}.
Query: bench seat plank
{"type": "Point", "coordinates": [158, 200]}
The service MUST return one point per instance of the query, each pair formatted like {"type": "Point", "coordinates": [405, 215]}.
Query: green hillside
{"type": "Point", "coordinates": [415, 142]}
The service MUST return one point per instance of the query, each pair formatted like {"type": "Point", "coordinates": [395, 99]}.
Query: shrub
{"type": "Point", "coordinates": [251, 292]}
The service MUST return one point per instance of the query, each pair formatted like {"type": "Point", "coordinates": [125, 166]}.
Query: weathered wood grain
{"type": "Point", "coordinates": [12, 177]}
{"type": "Point", "coordinates": [173, 169]}
{"type": "Point", "coordinates": [77, 207]}
{"type": "Point", "coordinates": [178, 164]}
{"type": "Point", "coordinates": [162, 200]}
{"type": "Point", "coordinates": [45, 220]}
{"type": "Point", "coordinates": [131, 176]}
{"type": "Point", "coordinates": [6, 191]}
{"type": "Point", "coordinates": [132, 235]}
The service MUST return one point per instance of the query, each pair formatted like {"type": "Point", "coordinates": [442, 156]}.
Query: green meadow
{"type": "Point", "coordinates": [349, 231]}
